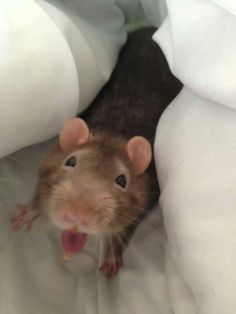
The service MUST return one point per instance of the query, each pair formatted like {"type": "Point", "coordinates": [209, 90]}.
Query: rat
{"type": "Point", "coordinates": [100, 178]}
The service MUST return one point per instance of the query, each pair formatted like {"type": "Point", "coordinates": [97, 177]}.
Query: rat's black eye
{"type": "Point", "coordinates": [71, 162]}
{"type": "Point", "coordinates": [121, 181]}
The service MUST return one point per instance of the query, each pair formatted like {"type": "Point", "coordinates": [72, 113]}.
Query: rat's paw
{"type": "Point", "coordinates": [111, 265]}
{"type": "Point", "coordinates": [25, 217]}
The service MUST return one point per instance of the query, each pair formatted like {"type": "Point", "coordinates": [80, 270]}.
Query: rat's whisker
{"type": "Point", "coordinates": [127, 220]}
{"type": "Point", "coordinates": [103, 199]}
{"type": "Point", "coordinates": [141, 209]}
{"type": "Point", "coordinates": [107, 216]}
{"type": "Point", "coordinates": [136, 222]}
{"type": "Point", "coordinates": [117, 213]}
{"type": "Point", "coordinates": [120, 240]}
{"type": "Point", "coordinates": [147, 227]}
{"type": "Point", "coordinates": [66, 188]}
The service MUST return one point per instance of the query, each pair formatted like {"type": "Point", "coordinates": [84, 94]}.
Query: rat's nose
{"type": "Point", "coordinates": [67, 218]}
{"type": "Point", "coordinates": [82, 219]}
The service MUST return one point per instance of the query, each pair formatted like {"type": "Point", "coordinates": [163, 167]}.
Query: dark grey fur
{"type": "Point", "coordinates": [137, 93]}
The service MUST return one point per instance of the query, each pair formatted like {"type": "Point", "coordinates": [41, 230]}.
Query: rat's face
{"type": "Point", "coordinates": [97, 190]}
{"type": "Point", "coordinates": [95, 183]}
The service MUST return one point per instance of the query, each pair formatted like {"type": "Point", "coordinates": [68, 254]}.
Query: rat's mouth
{"type": "Point", "coordinates": [73, 242]}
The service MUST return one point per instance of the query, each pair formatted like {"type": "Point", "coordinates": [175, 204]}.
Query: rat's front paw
{"type": "Point", "coordinates": [25, 217]}
{"type": "Point", "coordinates": [111, 265]}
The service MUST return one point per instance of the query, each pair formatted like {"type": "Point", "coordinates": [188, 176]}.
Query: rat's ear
{"type": "Point", "coordinates": [140, 153]}
{"type": "Point", "coordinates": [75, 132]}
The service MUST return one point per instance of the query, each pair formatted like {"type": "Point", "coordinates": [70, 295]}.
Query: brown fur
{"type": "Point", "coordinates": [107, 151]}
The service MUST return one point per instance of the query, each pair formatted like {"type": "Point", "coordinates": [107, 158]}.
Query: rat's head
{"type": "Point", "coordinates": [99, 183]}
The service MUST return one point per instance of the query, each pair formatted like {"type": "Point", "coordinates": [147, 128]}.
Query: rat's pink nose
{"type": "Point", "coordinates": [76, 218]}
{"type": "Point", "coordinates": [68, 218]}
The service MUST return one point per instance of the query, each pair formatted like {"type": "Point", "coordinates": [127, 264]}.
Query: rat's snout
{"type": "Point", "coordinates": [81, 210]}
{"type": "Point", "coordinates": [77, 216]}
{"type": "Point", "coordinates": [88, 206]}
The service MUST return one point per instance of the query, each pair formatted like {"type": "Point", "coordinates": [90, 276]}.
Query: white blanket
{"type": "Point", "coordinates": [196, 156]}
{"type": "Point", "coordinates": [45, 58]}
{"type": "Point", "coordinates": [54, 58]}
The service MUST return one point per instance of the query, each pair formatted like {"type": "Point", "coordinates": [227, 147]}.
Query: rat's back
{"type": "Point", "coordinates": [138, 91]}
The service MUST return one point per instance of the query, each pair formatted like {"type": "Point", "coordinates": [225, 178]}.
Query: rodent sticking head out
{"type": "Point", "coordinates": [102, 182]}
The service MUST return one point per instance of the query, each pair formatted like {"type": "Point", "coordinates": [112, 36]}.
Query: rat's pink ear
{"type": "Point", "coordinates": [140, 153]}
{"type": "Point", "coordinates": [74, 133]}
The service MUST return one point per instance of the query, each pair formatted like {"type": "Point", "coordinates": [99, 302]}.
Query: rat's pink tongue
{"type": "Point", "coordinates": [73, 242]}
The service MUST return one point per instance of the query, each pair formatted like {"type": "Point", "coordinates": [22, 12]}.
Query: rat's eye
{"type": "Point", "coordinates": [121, 181]}
{"type": "Point", "coordinates": [71, 162]}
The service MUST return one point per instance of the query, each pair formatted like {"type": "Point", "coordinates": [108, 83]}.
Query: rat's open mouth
{"type": "Point", "coordinates": [73, 242]}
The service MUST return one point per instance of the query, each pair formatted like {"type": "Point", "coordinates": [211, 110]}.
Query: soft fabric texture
{"type": "Point", "coordinates": [196, 161]}
{"type": "Point", "coordinates": [196, 156]}
{"type": "Point", "coordinates": [46, 57]}
{"type": "Point", "coordinates": [54, 58]}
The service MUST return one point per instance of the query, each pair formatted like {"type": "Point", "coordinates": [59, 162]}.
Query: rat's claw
{"type": "Point", "coordinates": [25, 216]}
{"type": "Point", "coordinates": [112, 265]}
